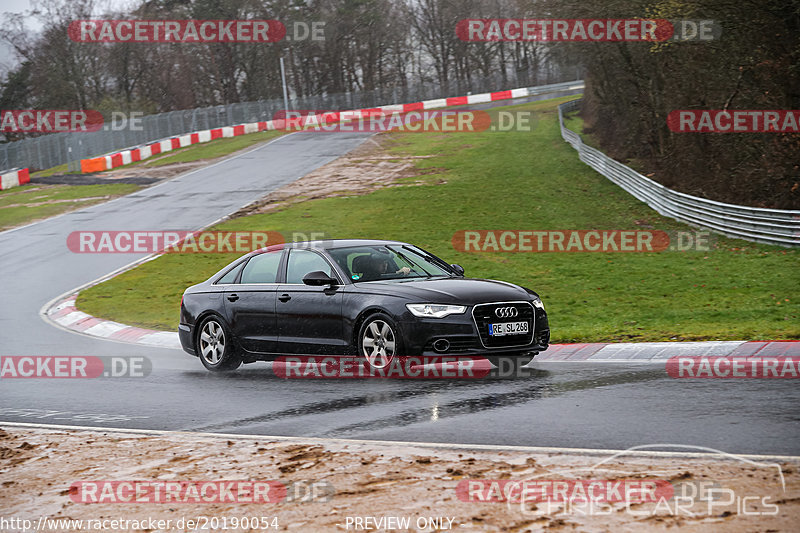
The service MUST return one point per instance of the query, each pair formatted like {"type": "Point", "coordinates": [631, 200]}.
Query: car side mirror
{"type": "Point", "coordinates": [319, 278]}
{"type": "Point", "coordinates": [458, 269]}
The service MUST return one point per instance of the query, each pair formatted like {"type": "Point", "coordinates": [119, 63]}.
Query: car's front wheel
{"type": "Point", "coordinates": [379, 342]}
{"type": "Point", "coordinates": [215, 346]}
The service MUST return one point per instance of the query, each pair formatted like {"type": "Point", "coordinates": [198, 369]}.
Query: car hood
{"type": "Point", "coordinates": [448, 290]}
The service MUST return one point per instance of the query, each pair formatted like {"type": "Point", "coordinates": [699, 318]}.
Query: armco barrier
{"type": "Point", "coordinates": [770, 226]}
{"type": "Point", "coordinates": [14, 178]}
{"type": "Point", "coordinates": [124, 157]}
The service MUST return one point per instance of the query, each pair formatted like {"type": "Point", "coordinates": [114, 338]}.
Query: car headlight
{"type": "Point", "coordinates": [435, 310]}
{"type": "Point", "coordinates": [537, 302]}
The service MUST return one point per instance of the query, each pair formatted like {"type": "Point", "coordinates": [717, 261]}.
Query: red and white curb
{"type": "Point", "coordinates": [14, 178]}
{"type": "Point", "coordinates": [132, 155]}
{"type": "Point", "coordinates": [598, 352]}
{"type": "Point", "coordinates": [65, 314]}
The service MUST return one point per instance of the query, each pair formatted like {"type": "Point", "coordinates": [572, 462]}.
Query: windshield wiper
{"type": "Point", "coordinates": [409, 261]}
{"type": "Point", "coordinates": [435, 261]}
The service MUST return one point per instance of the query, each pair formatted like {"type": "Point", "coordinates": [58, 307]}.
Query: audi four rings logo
{"type": "Point", "coordinates": [506, 312]}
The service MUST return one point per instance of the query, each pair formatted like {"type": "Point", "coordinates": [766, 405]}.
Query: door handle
{"type": "Point", "coordinates": [284, 297]}
{"type": "Point", "coordinates": [232, 297]}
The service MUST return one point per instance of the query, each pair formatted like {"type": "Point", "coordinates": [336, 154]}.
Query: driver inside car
{"type": "Point", "coordinates": [382, 266]}
{"type": "Point", "coordinates": [373, 267]}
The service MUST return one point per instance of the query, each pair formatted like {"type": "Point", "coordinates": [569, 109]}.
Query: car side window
{"type": "Point", "coordinates": [230, 276]}
{"type": "Point", "coordinates": [262, 268]}
{"type": "Point", "coordinates": [301, 262]}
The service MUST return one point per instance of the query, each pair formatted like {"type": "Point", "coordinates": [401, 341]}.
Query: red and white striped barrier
{"type": "Point", "coordinates": [14, 178]}
{"type": "Point", "coordinates": [124, 157]}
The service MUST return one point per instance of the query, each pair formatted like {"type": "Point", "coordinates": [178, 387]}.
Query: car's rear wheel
{"type": "Point", "coordinates": [379, 342]}
{"type": "Point", "coordinates": [215, 346]}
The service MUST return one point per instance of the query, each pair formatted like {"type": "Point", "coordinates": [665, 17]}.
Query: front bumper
{"type": "Point", "coordinates": [420, 334]}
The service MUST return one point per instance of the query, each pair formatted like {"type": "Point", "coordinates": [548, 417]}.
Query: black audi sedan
{"type": "Point", "coordinates": [368, 298]}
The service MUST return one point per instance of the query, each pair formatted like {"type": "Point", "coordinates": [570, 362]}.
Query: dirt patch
{"type": "Point", "coordinates": [162, 172]}
{"type": "Point", "coordinates": [137, 175]}
{"type": "Point", "coordinates": [89, 179]}
{"type": "Point", "coordinates": [361, 171]}
{"type": "Point", "coordinates": [365, 169]}
{"type": "Point", "coordinates": [373, 480]}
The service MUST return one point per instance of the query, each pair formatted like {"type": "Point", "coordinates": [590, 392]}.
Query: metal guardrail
{"type": "Point", "coordinates": [770, 226]}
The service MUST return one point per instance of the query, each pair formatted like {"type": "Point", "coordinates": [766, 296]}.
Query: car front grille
{"type": "Point", "coordinates": [485, 314]}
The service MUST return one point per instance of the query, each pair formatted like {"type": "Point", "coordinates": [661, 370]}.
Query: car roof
{"type": "Point", "coordinates": [326, 244]}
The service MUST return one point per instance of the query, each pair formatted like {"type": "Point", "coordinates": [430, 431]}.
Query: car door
{"type": "Point", "coordinates": [250, 303]}
{"type": "Point", "coordinates": [309, 318]}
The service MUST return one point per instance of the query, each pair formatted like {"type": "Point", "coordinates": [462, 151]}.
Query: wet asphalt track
{"type": "Point", "coordinates": [577, 405]}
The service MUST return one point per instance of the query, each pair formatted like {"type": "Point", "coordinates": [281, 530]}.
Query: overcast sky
{"type": "Point", "coordinates": [8, 59]}
{"type": "Point", "coordinates": [7, 56]}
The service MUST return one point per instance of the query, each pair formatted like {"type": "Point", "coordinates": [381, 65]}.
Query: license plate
{"type": "Point", "coordinates": [508, 328]}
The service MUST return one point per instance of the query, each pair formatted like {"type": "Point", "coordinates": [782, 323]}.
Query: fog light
{"type": "Point", "coordinates": [441, 345]}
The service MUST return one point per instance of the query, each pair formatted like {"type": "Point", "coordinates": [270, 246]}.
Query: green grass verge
{"type": "Point", "coordinates": [574, 122]}
{"type": "Point", "coordinates": [27, 203]}
{"type": "Point", "coordinates": [519, 180]}
{"type": "Point", "coordinates": [60, 169]}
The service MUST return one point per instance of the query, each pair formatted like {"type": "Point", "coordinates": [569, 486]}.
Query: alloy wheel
{"type": "Point", "coordinates": [378, 344]}
{"type": "Point", "coordinates": [212, 342]}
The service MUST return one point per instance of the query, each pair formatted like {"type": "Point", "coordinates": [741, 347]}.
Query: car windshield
{"type": "Point", "coordinates": [382, 262]}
